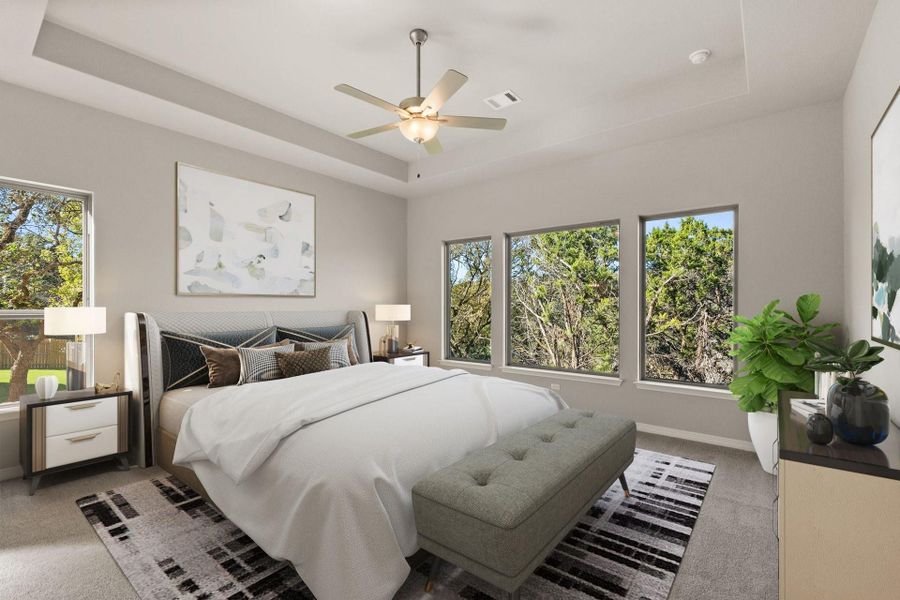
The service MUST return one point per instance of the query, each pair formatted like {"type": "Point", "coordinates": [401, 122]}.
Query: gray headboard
{"type": "Point", "coordinates": [144, 364]}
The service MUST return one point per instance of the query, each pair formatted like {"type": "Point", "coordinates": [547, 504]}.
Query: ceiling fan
{"type": "Point", "coordinates": [419, 119]}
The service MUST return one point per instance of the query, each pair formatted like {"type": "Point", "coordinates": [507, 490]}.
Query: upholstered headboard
{"type": "Point", "coordinates": [144, 360]}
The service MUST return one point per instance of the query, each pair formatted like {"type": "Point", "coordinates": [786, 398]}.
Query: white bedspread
{"type": "Point", "coordinates": [333, 495]}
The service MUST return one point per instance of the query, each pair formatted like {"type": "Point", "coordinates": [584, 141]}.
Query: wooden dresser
{"type": "Point", "coordinates": [838, 515]}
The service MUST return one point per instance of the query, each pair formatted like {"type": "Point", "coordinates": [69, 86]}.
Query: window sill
{"type": "Point", "coordinates": [463, 364]}
{"type": "Point", "coordinates": [9, 412]}
{"type": "Point", "coordinates": [688, 390]}
{"type": "Point", "coordinates": [582, 377]}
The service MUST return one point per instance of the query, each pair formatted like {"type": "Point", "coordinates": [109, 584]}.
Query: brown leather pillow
{"type": "Point", "coordinates": [224, 364]}
{"type": "Point", "coordinates": [304, 362]}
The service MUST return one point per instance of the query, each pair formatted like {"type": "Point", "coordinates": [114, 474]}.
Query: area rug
{"type": "Point", "coordinates": [171, 543]}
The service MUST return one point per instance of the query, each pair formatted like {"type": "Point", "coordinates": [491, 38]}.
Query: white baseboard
{"type": "Point", "coordinates": [13, 472]}
{"type": "Point", "coordinates": [693, 436]}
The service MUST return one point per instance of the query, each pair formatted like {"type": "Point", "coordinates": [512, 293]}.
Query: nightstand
{"type": "Point", "coordinates": [422, 358]}
{"type": "Point", "coordinates": [70, 430]}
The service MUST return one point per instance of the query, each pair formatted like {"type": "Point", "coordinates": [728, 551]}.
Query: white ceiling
{"type": "Point", "coordinates": [597, 75]}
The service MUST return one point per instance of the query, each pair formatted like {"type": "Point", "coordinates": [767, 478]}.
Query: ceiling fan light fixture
{"type": "Point", "coordinates": [419, 129]}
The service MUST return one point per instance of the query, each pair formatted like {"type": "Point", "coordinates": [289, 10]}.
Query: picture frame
{"type": "Point", "coordinates": [885, 241]}
{"type": "Point", "coordinates": [238, 237]}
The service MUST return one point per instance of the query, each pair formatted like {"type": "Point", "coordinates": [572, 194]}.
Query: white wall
{"type": "Point", "coordinates": [130, 168]}
{"type": "Point", "coordinates": [873, 84]}
{"type": "Point", "coordinates": [782, 170]}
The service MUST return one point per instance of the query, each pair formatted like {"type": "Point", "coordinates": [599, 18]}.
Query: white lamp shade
{"type": "Point", "coordinates": [392, 312]}
{"type": "Point", "coordinates": [78, 320]}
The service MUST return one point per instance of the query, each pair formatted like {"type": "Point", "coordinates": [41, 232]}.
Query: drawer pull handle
{"type": "Point", "coordinates": [83, 438]}
{"type": "Point", "coordinates": [82, 406]}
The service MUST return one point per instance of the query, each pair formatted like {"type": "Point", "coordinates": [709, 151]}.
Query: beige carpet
{"type": "Point", "coordinates": [48, 550]}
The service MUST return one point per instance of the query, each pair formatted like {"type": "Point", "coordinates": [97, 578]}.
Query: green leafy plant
{"type": "Point", "coordinates": [773, 349]}
{"type": "Point", "coordinates": [852, 361]}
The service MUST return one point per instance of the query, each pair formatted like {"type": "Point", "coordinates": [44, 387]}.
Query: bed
{"type": "Point", "coordinates": [322, 476]}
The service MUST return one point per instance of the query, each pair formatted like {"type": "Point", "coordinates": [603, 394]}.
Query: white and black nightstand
{"type": "Point", "coordinates": [420, 358]}
{"type": "Point", "coordinates": [70, 430]}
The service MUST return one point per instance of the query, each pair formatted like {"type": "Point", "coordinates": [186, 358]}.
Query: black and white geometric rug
{"type": "Point", "coordinates": [171, 543]}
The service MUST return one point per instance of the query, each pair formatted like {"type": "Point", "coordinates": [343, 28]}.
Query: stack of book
{"type": "Point", "coordinates": [807, 407]}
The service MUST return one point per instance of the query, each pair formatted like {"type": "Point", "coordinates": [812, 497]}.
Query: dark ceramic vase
{"type": "Point", "coordinates": [859, 412]}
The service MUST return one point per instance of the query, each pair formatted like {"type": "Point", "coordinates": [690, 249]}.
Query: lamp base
{"type": "Point", "coordinates": [76, 377]}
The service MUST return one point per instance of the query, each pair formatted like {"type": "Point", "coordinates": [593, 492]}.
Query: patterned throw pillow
{"type": "Point", "coordinates": [183, 362]}
{"type": "Point", "coordinates": [337, 352]}
{"type": "Point", "coordinates": [224, 364]}
{"type": "Point", "coordinates": [304, 362]}
{"type": "Point", "coordinates": [259, 364]}
{"type": "Point", "coordinates": [323, 334]}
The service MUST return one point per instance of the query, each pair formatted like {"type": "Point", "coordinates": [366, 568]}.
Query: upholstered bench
{"type": "Point", "coordinates": [498, 512]}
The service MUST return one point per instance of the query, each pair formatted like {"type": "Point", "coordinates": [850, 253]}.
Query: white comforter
{"type": "Point", "coordinates": [318, 469]}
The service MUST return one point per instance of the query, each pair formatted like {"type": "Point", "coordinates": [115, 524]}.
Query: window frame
{"type": "Point", "coordinates": [642, 289]}
{"type": "Point", "coordinates": [87, 262]}
{"type": "Point", "coordinates": [507, 303]}
{"type": "Point", "coordinates": [446, 355]}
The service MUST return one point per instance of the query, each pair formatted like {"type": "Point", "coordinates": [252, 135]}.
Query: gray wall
{"type": "Point", "coordinates": [873, 84]}
{"type": "Point", "coordinates": [782, 170]}
{"type": "Point", "coordinates": [130, 168]}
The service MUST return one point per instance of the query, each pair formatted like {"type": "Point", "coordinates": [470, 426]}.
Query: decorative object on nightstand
{"type": "Point", "coordinates": [858, 410]}
{"type": "Point", "coordinates": [405, 358]}
{"type": "Point", "coordinates": [46, 387]}
{"type": "Point", "coordinates": [78, 321]}
{"type": "Point", "coordinates": [74, 429]}
{"type": "Point", "coordinates": [819, 429]}
{"type": "Point", "coordinates": [392, 313]}
{"type": "Point", "coordinates": [101, 388]}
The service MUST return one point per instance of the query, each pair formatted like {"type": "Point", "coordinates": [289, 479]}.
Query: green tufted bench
{"type": "Point", "coordinates": [498, 512]}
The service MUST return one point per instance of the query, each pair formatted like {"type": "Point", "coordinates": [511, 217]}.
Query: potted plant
{"type": "Point", "coordinates": [858, 410]}
{"type": "Point", "coordinates": [773, 349]}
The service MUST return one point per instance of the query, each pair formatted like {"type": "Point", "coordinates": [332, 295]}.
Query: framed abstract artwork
{"type": "Point", "coordinates": [886, 226]}
{"type": "Point", "coordinates": [239, 237]}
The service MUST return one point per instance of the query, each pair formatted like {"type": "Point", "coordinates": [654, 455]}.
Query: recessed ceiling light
{"type": "Point", "coordinates": [698, 57]}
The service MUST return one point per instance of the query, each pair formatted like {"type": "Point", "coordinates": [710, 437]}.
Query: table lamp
{"type": "Point", "coordinates": [393, 313]}
{"type": "Point", "coordinates": [78, 321]}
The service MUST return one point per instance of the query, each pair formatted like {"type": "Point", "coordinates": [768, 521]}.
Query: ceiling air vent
{"type": "Point", "coordinates": [502, 100]}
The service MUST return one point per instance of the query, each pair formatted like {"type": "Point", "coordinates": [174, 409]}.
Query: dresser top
{"type": "Point", "coordinates": [882, 460]}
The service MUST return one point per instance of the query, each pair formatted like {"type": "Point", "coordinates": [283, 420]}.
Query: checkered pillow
{"type": "Point", "coordinates": [339, 355]}
{"type": "Point", "coordinates": [260, 364]}
{"type": "Point", "coordinates": [304, 362]}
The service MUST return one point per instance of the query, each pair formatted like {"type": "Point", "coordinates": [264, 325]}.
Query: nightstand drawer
{"type": "Point", "coordinates": [416, 360]}
{"type": "Point", "coordinates": [81, 445]}
{"type": "Point", "coordinates": [78, 416]}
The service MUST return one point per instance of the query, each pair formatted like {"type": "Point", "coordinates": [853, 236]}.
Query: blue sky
{"type": "Point", "coordinates": [718, 219]}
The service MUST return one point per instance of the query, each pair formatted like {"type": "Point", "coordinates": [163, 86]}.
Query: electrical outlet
{"type": "Point", "coordinates": [554, 387]}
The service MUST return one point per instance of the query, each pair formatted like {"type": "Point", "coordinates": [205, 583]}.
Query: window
{"type": "Point", "coordinates": [42, 263]}
{"type": "Point", "coordinates": [563, 294]}
{"type": "Point", "coordinates": [688, 285]}
{"type": "Point", "coordinates": [468, 306]}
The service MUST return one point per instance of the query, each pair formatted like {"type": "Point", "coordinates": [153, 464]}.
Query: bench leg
{"type": "Point", "coordinates": [432, 574]}
{"type": "Point", "coordinates": [512, 595]}
{"type": "Point", "coordinates": [624, 485]}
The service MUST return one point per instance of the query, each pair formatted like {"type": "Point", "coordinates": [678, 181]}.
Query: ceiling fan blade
{"type": "Point", "coordinates": [367, 132]}
{"type": "Point", "coordinates": [361, 95]}
{"type": "Point", "coordinates": [433, 146]}
{"type": "Point", "coordinates": [473, 122]}
{"type": "Point", "coordinates": [448, 85]}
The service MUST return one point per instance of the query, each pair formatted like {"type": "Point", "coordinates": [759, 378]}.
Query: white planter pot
{"type": "Point", "coordinates": [764, 432]}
